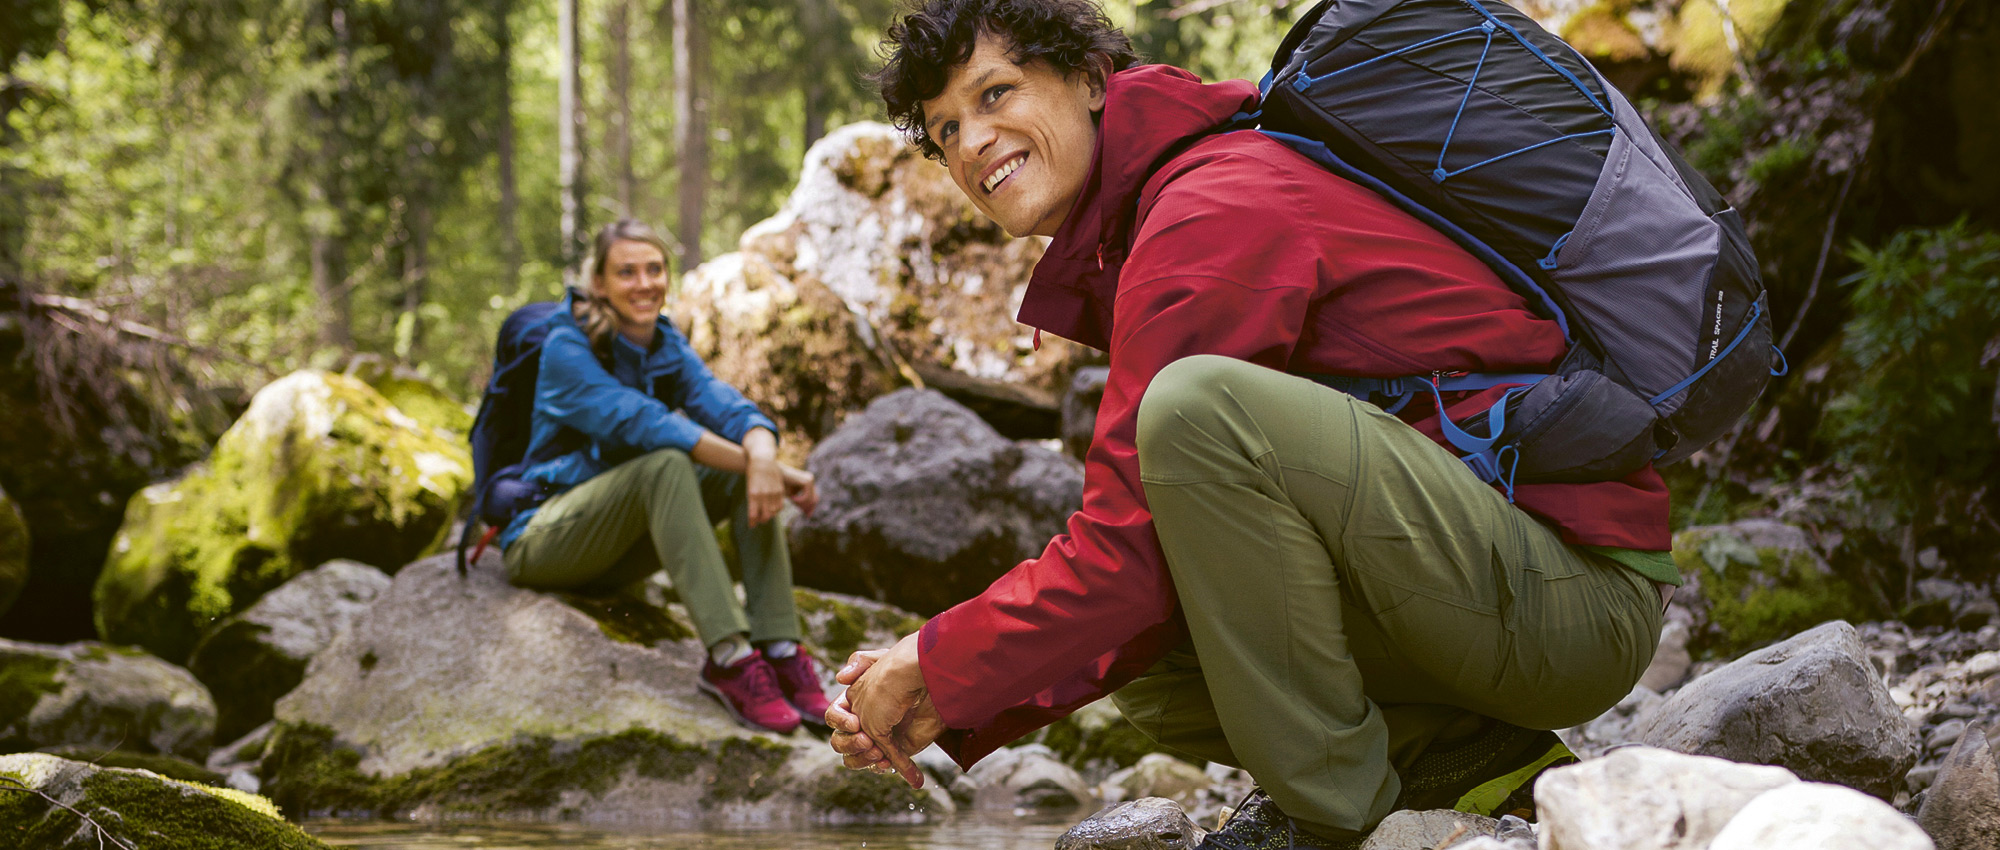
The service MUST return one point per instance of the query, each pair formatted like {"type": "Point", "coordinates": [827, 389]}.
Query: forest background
{"type": "Point", "coordinates": [198, 196]}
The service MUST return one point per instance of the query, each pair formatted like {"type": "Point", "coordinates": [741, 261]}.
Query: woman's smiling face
{"type": "Point", "coordinates": [1017, 138]}
{"type": "Point", "coordinates": [634, 281]}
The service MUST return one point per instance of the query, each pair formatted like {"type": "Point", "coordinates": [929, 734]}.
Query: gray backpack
{"type": "Point", "coordinates": [1469, 115]}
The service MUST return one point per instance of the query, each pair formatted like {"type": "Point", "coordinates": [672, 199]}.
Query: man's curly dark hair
{"type": "Point", "coordinates": [938, 35]}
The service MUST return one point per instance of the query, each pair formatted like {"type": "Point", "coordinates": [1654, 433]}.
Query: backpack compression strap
{"type": "Point", "coordinates": [1492, 465]}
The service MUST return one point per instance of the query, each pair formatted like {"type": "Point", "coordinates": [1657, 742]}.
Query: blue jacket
{"type": "Point", "coordinates": [589, 419]}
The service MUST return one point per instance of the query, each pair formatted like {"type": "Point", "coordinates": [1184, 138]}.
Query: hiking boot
{"type": "Point", "coordinates": [798, 678]}
{"type": "Point", "coordinates": [1258, 824]}
{"type": "Point", "coordinates": [749, 690]}
{"type": "Point", "coordinates": [1492, 774]}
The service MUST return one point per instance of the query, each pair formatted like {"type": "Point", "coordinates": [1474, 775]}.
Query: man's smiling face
{"type": "Point", "coordinates": [1016, 138]}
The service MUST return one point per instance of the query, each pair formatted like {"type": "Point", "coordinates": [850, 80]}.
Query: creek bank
{"type": "Point", "coordinates": [468, 697]}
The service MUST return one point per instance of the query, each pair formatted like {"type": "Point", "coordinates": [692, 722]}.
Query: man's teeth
{"type": "Point", "coordinates": [997, 176]}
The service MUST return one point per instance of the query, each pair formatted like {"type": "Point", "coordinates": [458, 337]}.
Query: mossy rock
{"type": "Point", "coordinates": [320, 467]}
{"type": "Point", "coordinates": [61, 804]}
{"type": "Point", "coordinates": [1756, 582]}
{"type": "Point", "coordinates": [839, 624]}
{"type": "Point", "coordinates": [13, 552]}
{"type": "Point", "coordinates": [98, 698]}
{"type": "Point", "coordinates": [412, 394]}
{"type": "Point", "coordinates": [1096, 739]}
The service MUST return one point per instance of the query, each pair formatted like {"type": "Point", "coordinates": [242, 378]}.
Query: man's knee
{"type": "Point", "coordinates": [1188, 389]}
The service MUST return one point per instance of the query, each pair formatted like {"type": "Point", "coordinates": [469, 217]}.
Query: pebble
{"type": "Point", "coordinates": [1945, 734]}
{"type": "Point", "coordinates": [1983, 665]}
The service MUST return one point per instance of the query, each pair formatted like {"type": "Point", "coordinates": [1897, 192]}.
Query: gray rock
{"type": "Point", "coordinates": [14, 549]}
{"type": "Point", "coordinates": [1079, 408]}
{"type": "Point", "coordinates": [250, 660]}
{"type": "Point", "coordinates": [1813, 704]}
{"type": "Point", "coordinates": [1158, 775]}
{"type": "Point", "coordinates": [1670, 660]}
{"type": "Point", "coordinates": [1024, 777]}
{"type": "Point", "coordinates": [595, 697]}
{"type": "Point", "coordinates": [1962, 807]}
{"type": "Point", "coordinates": [134, 808]}
{"type": "Point", "coordinates": [1486, 842]}
{"type": "Point", "coordinates": [1818, 816]}
{"type": "Point", "coordinates": [1149, 823]}
{"type": "Point", "coordinates": [1754, 582]}
{"type": "Point", "coordinates": [1409, 830]}
{"type": "Point", "coordinates": [91, 696]}
{"type": "Point", "coordinates": [923, 505]}
{"type": "Point", "coordinates": [1640, 798]}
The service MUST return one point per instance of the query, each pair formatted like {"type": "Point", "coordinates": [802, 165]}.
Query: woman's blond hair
{"type": "Point", "coordinates": [593, 311]}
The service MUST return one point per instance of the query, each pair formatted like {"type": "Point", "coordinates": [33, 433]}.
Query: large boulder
{"type": "Point", "coordinates": [1818, 816]}
{"type": "Point", "coordinates": [1640, 798]}
{"type": "Point", "coordinates": [71, 804]}
{"type": "Point", "coordinates": [91, 696]}
{"type": "Point", "coordinates": [251, 659]}
{"type": "Point", "coordinates": [1813, 704]}
{"type": "Point", "coordinates": [875, 270]}
{"type": "Point", "coordinates": [320, 467]}
{"type": "Point", "coordinates": [1961, 808]}
{"type": "Point", "coordinates": [467, 696]}
{"type": "Point", "coordinates": [923, 505]}
{"type": "Point", "coordinates": [13, 552]}
{"type": "Point", "coordinates": [1754, 582]}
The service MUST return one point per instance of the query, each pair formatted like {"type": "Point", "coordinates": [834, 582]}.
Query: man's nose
{"type": "Point", "coordinates": [976, 138]}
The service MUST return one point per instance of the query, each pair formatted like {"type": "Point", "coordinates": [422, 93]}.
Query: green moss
{"type": "Point", "coordinates": [306, 770]}
{"type": "Point", "coordinates": [425, 403]}
{"type": "Point", "coordinates": [1760, 595]}
{"type": "Point", "coordinates": [625, 618]}
{"type": "Point", "coordinates": [278, 496]}
{"type": "Point", "coordinates": [146, 812]}
{"type": "Point", "coordinates": [863, 793]}
{"type": "Point", "coordinates": [164, 765]}
{"type": "Point", "coordinates": [1097, 734]}
{"type": "Point", "coordinates": [1780, 160]}
{"type": "Point", "coordinates": [847, 626]}
{"type": "Point", "coordinates": [24, 679]}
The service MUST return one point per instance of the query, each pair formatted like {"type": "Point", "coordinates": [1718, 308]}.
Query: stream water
{"type": "Point", "coordinates": [996, 831]}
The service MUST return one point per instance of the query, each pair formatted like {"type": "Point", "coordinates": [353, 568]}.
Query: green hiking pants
{"type": "Point", "coordinates": [1353, 593]}
{"type": "Point", "coordinates": [657, 510]}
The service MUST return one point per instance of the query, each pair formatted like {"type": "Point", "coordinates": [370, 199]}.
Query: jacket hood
{"type": "Point", "coordinates": [1151, 113]}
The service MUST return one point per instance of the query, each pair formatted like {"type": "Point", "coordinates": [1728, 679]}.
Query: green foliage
{"type": "Point", "coordinates": [1925, 337]}
{"type": "Point", "coordinates": [1758, 594]}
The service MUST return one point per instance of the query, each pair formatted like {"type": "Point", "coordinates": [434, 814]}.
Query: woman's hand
{"type": "Point", "coordinates": [886, 716]}
{"type": "Point", "coordinates": [799, 488]}
{"type": "Point", "coordinates": [763, 477]}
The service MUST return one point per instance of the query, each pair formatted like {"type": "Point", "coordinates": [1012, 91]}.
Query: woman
{"type": "Point", "coordinates": [1265, 572]}
{"type": "Point", "coordinates": [644, 450]}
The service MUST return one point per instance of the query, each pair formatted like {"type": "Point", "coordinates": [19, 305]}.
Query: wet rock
{"type": "Point", "coordinates": [1150, 823]}
{"type": "Point", "coordinates": [1818, 816]}
{"type": "Point", "coordinates": [467, 696]}
{"type": "Point", "coordinates": [1409, 830]}
{"type": "Point", "coordinates": [251, 659]}
{"type": "Point", "coordinates": [875, 268]}
{"type": "Point", "coordinates": [1754, 582]}
{"type": "Point", "coordinates": [1640, 798]}
{"type": "Point", "coordinates": [1157, 775]}
{"type": "Point", "coordinates": [91, 696]}
{"type": "Point", "coordinates": [320, 467]}
{"type": "Point", "coordinates": [133, 808]}
{"type": "Point", "coordinates": [13, 552]}
{"type": "Point", "coordinates": [1813, 704]}
{"type": "Point", "coordinates": [1079, 408]}
{"type": "Point", "coordinates": [1961, 809]}
{"type": "Point", "coordinates": [1024, 777]}
{"type": "Point", "coordinates": [922, 504]}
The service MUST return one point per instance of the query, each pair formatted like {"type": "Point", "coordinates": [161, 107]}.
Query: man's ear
{"type": "Point", "coordinates": [1096, 81]}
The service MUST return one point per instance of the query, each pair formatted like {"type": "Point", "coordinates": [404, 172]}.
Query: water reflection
{"type": "Point", "coordinates": [971, 832]}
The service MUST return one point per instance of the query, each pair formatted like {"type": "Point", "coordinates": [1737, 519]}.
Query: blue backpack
{"type": "Point", "coordinates": [1471, 117]}
{"type": "Point", "coordinates": [500, 431]}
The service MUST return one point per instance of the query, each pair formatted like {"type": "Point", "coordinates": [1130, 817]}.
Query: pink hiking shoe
{"type": "Point", "coordinates": [798, 678]}
{"type": "Point", "coordinates": [749, 690]}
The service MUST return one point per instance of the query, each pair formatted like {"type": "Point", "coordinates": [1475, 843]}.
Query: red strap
{"type": "Point", "coordinates": [491, 532]}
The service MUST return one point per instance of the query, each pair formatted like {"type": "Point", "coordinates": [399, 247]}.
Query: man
{"type": "Point", "coordinates": [1267, 572]}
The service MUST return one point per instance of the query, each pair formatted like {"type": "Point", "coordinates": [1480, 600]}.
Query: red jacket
{"type": "Point", "coordinates": [1237, 246]}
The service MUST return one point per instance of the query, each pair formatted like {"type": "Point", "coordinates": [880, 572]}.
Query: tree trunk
{"type": "Point", "coordinates": [815, 28]}
{"type": "Point", "coordinates": [569, 120]}
{"type": "Point", "coordinates": [619, 27]}
{"type": "Point", "coordinates": [690, 131]}
{"type": "Point", "coordinates": [510, 200]}
{"type": "Point", "coordinates": [328, 231]}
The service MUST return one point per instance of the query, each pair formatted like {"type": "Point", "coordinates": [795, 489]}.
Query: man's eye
{"type": "Point", "coordinates": [995, 92]}
{"type": "Point", "coordinates": [949, 129]}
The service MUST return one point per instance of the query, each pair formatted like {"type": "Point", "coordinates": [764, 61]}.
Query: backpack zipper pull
{"type": "Point", "coordinates": [1038, 339]}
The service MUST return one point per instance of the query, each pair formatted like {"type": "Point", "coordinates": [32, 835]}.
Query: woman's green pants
{"type": "Point", "coordinates": [657, 510]}
{"type": "Point", "coordinates": [1353, 593]}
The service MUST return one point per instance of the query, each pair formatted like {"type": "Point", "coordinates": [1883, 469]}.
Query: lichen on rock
{"type": "Point", "coordinates": [321, 466]}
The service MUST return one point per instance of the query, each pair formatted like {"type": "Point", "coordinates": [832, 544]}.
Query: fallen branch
{"type": "Point", "coordinates": [89, 310]}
